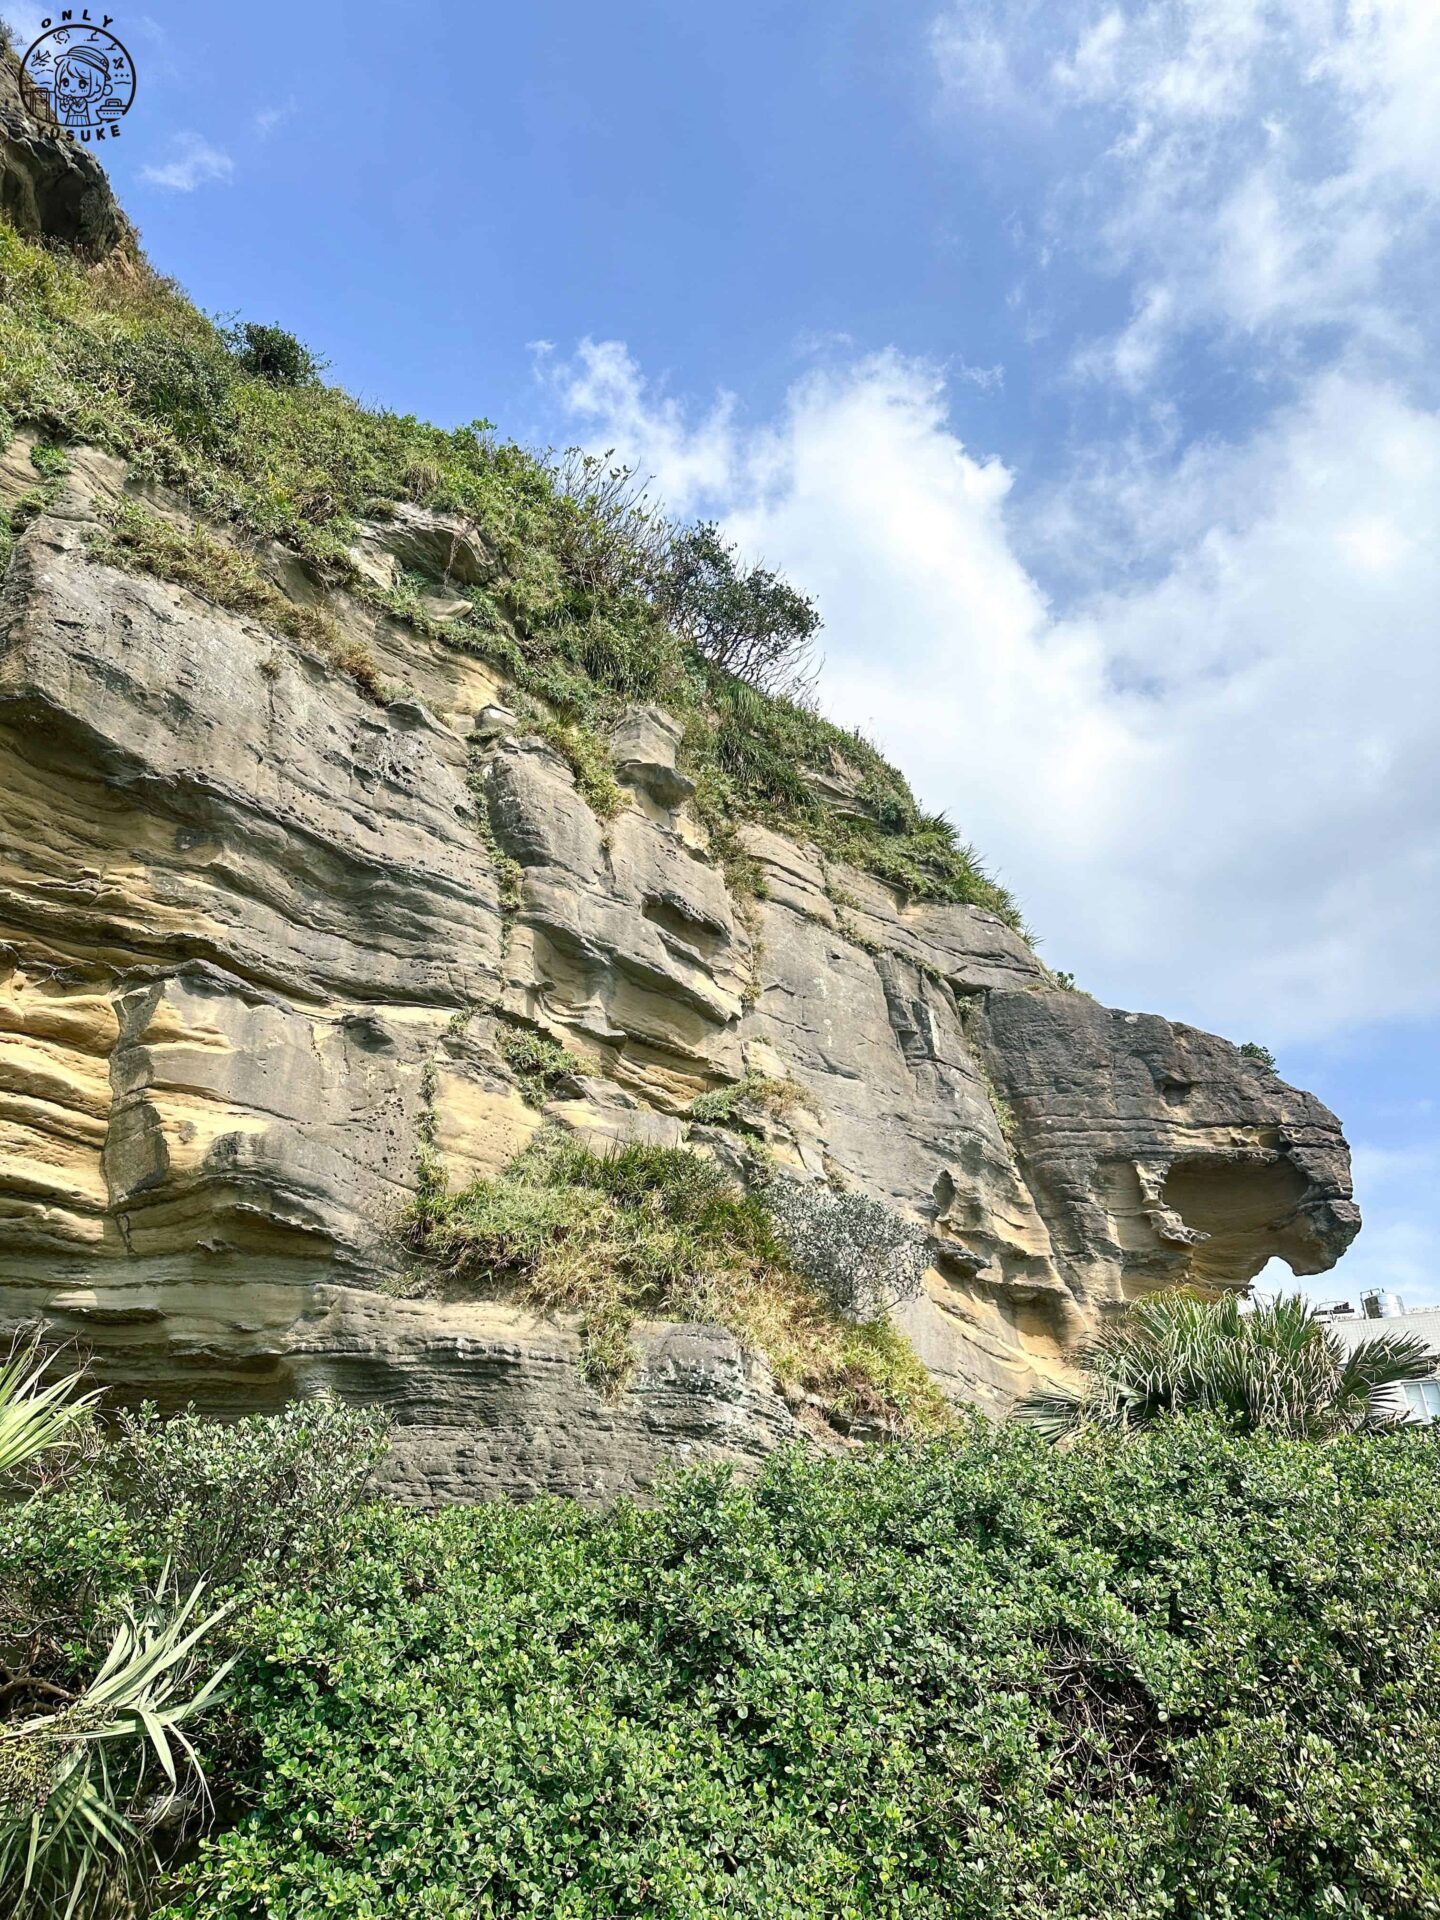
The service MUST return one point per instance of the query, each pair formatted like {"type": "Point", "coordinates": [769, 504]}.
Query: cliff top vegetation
{"type": "Point", "coordinates": [586, 596]}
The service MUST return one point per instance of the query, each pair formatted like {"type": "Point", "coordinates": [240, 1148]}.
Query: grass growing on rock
{"type": "Point", "coordinates": [736, 1104]}
{"type": "Point", "coordinates": [132, 536]}
{"type": "Point", "coordinates": [664, 1233]}
{"type": "Point", "coordinates": [584, 751]}
{"type": "Point", "coordinates": [541, 1066]}
{"type": "Point", "coordinates": [573, 606]}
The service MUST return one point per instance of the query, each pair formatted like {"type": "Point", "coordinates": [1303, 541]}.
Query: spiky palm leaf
{"type": "Point", "coordinates": [1276, 1367]}
{"type": "Point", "coordinates": [36, 1415]}
{"type": "Point", "coordinates": [69, 1781]}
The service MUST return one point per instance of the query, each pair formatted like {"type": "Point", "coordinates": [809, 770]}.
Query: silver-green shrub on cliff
{"type": "Point", "coordinates": [861, 1254]}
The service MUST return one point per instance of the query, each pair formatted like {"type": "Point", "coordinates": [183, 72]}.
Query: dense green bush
{"type": "Point", "coordinates": [1186, 1675]}
{"type": "Point", "coordinates": [274, 355]}
{"type": "Point", "coordinates": [245, 1505]}
{"type": "Point", "coordinates": [132, 1560]}
{"type": "Point", "coordinates": [1181, 1674]}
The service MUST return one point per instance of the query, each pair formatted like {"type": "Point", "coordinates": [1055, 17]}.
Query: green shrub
{"type": "Point", "coordinates": [272, 354]}
{"type": "Point", "coordinates": [1188, 1677]}
{"type": "Point", "coordinates": [110, 1655]}
{"type": "Point", "coordinates": [1262, 1056]}
{"type": "Point", "coordinates": [610, 537]}
{"type": "Point", "coordinates": [242, 1504]}
{"type": "Point", "coordinates": [249, 1502]}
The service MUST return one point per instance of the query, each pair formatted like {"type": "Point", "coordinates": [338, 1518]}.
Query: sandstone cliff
{"type": "Point", "coordinates": [260, 931]}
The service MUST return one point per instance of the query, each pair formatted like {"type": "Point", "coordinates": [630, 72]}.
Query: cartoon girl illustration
{"type": "Point", "coordinates": [82, 81]}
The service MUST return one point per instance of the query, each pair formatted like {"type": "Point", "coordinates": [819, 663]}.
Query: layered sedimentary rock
{"type": "Point", "coordinates": [256, 931]}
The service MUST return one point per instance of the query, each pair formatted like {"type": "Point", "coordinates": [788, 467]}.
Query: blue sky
{"type": "Point", "coordinates": [1080, 358]}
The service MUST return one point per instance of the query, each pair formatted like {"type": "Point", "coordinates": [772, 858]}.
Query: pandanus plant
{"type": "Point", "coordinates": [1274, 1367]}
{"type": "Point", "coordinates": [80, 1780]}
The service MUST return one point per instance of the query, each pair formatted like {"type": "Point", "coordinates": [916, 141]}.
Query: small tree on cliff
{"type": "Point", "coordinates": [1276, 1367]}
{"type": "Point", "coordinates": [748, 621]}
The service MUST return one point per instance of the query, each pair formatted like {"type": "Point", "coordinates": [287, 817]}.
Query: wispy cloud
{"type": "Point", "coordinates": [192, 163]}
{"type": "Point", "coordinates": [1256, 167]}
{"type": "Point", "coordinates": [988, 379]}
{"type": "Point", "coordinates": [269, 118]}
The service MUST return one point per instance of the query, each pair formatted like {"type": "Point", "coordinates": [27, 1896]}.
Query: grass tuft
{"type": "Point", "coordinates": [737, 1104]}
{"type": "Point", "coordinates": [541, 1066]}
{"type": "Point", "coordinates": [663, 1233]}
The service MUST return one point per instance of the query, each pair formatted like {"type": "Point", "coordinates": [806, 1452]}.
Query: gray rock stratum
{"type": "Point", "coordinates": [252, 939]}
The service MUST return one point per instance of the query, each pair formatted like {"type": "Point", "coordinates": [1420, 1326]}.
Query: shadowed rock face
{"type": "Point", "coordinates": [252, 937]}
{"type": "Point", "coordinates": [50, 188]}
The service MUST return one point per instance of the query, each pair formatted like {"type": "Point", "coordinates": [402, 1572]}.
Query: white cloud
{"type": "Point", "coordinates": [192, 163]}
{"type": "Point", "coordinates": [688, 460]}
{"type": "Point", "coordinates": [1215, 791]}
{"type": "Point", "coordinates": [1253, 165]}
{"type": "Point", "coordinates": [269, 118]}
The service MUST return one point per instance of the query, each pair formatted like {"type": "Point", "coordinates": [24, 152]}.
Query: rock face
{"type": "Point", "coordinates": [51, 188]}
{"type": "Point", "coordinates": [256, 934]}
{"type": "Point", "coordinates": [252, 938]}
